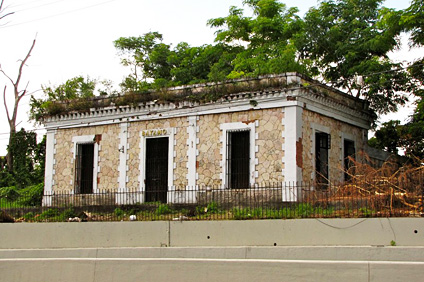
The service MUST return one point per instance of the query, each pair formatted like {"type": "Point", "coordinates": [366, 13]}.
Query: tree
{"type": "Point", "coordinates": [350, 39]}
{"type": "Point", "coordinates": [412, 20]}
{"type": "Point", "coordinates": [200, 64]}
{"type": "Point", "coordinates": [412, 133]}
{"type": "Point", "coordinates": [156, 65]}
{"type": "Point", "coordinates": [412, 139]}
{"type": "Point", "coordinates": [136, 52]}
{"type": "Point", "coordinates": [2, 14]}
{"type": "Point", "coordinates": [266, 38]}
{"type": "Point", "coordinates": [70, 91]}
{"type": "Point", "coordinates": [18, 94]}
{"type": "Point", "coordinates": [27, 162]}
{"type": "Point", "coordinates": [387, 137]}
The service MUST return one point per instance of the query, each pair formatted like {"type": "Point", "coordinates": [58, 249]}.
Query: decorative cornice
{"type": "Point", "coordinates": [351, 108]}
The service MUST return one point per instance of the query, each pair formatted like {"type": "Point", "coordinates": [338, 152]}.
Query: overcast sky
{"type": "Point", "coordinates": [75, 37]}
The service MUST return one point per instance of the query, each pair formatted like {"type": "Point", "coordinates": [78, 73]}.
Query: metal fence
{"type": "Point", "coordinates": [271, 201]}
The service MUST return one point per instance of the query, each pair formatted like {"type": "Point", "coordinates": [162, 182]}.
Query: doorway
{"type": "Point", "coordinates": [156, 179]}
{"type": "Point", "coordinates": [238, 159]}
{"type": "Point", "coordinates": [84, 168]}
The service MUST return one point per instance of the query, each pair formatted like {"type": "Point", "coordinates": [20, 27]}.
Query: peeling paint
{"type": "Point", "coordinates": [299, 153]}
{"type": "Point", "coordinates": [248, 121]}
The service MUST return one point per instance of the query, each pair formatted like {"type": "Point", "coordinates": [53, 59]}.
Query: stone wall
{"type": "Point", "coordinates": [109, 154]}
{"type": "Point", "coordinates": [268, 141]}
{"type": "Point", "coordinates": [209, 157]}
{"type": "Point", "coordinates": [268, 149]}
{"type": "Point", "coordinates": [64, 161]}
{"type": "Point", "coordinates": [180, 149]}
{"type": "Point", "coordinates": [108, 157]}
{"type": "Point", "coordinates": [338, 130]}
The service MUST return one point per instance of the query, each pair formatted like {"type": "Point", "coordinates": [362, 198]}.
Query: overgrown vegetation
{"type": "Point", "coordinates": [395, 189]}
{"type": "Point", "coordinates": [343, 43]}
{"type": "Point", "coordinates": [273, 40]}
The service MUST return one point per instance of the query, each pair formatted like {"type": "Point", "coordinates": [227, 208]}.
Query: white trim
{"type": "Point", "coordinates": [123, 150]}
{"type": "Point", "coordinates": [167, 132]}
{"type": "Point", "coordinates": [292, 134]}
{"type": "Point", "coordinates": [336, 113]}
{"type": "Point", "coordinates": [49, 167]}
{"type": "Point", "coordinates": [324, 129]}
{"type": "Point", "coordinates": [191, 152]}
{"type": "Point", "coordinates": [275, 100]}
{"type": "Point", "coordinates": [96, 167]}
{"type": "Point", "coordinates": [225, 127]}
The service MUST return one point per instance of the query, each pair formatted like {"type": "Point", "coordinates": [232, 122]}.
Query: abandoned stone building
{"type": "Point", "coordinates": [243, 133]}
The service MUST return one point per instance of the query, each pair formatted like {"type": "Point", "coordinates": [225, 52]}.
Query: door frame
{"type": "Point", "coordinates": [156, 148]}
{"type": "Point", "coordinates": [86, 139]}
{"type": "Point", "coordinates": [227, 127]}
{"type": "Point", "coordinates": [157, 133]}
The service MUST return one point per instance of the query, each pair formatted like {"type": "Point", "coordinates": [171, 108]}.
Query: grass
{"type": "Point", "coordinates": [161, 211]}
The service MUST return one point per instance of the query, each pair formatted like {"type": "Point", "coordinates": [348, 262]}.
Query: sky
{"type": "Point", "coordinates": [75, 37]}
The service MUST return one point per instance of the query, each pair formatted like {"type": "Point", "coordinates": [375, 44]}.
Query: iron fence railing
{"type": "Point", "coordinates": [276, 201]}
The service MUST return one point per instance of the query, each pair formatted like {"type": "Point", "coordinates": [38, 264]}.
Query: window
{"type": "Point", "coordinates": [238, 150]}
{"type": "Point", "coordinates": [238, 159]}
{"type": "Point", "coordinates": [349, 153]}
{"type": "Point", "coordinates": [84, 168]}
{"type": "Point", "coordinates": [322, 146]}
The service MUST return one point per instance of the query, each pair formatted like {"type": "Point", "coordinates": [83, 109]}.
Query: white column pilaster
{"type": "Point", "coordinates": [49, 168]}
{"type": "Point", "coordinates": [293, 147]}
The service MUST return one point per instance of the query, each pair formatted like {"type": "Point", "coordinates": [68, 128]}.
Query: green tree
{"type": "Point", "coordinates": [412, 20]}
{"type": "Point", "coordinates": [77, 87]}
{"type": "Point", "coordinates": [387, 137]}
{"type": "Point", "coordinates": [73, 89]}
{"type": "Point", "coordinates": [136, 52]}
{"type": "Point", "coordinates": [412, 139]}
{"type": "Point", "coordinates": [28, 161]}
{"type": "Point", "coordinates": [351, 39]}
{"type": "Point", "coordinates": [200, 64]}
{"type": "Point", "coordinates": [265, 39]}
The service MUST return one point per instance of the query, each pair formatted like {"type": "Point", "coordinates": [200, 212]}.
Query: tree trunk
{"type": "Point", "coordinates": [18, 95]}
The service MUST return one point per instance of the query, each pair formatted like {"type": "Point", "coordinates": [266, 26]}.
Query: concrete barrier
{"type": "Point", "coordinates": [83, 235]}
{"type": "Point", "coordinates": [127, 270]}
{"type": "Point", "coordinates": [267, 250]}
{"type": "Point", "coordinates": [305, 232]}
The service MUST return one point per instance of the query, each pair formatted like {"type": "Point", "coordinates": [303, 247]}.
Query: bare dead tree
{"type": "Point", "coordinates": [18, 95]}
{"type": "Point", "coordinates": [2, 10]}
